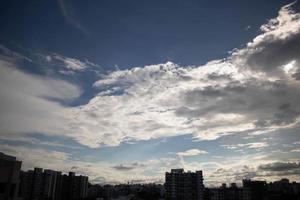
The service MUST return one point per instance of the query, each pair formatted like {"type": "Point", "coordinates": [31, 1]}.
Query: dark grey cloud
{"type": "Point", "coordinates": [251, 98]}
{"type": "Point", "coordinates": [296, 76]}
{"type": "Point", "coordinates": [122, 167]}
{"type": "Point", "coordinates": [275, 53]}
{"type": "Point", "coordinates": [216, 76]}
{"type": "Point", "coordinates": [276, 46]}
{"type": "Point", "coordinates": [280, 166]}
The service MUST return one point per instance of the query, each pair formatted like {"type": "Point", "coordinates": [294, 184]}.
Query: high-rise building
{"type": "Point", "coordinates": [258, 189]}
{"type": "Point", "coordinates": [26, 179]}
{"type": "Point", "coordinates": [182, 185]}
{"type": "Point", "coordinates": [59, 186]}
{"type": "Point", "coordinates": [74, 187]}
{"type": "Point", "coordinates": [37, 184]}
{"type": "Point", "coordinates": [49, 184]}
{"type": "Point", "coordinates": [9, 177]}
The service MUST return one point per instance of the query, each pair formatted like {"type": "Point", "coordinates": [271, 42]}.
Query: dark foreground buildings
{"type": "Point", "coordinates": [52, 185]}
{"type": "Point", "coordinates": [9, 177]}
{"type": "Point", "coordinates": [38, 184]}
{"type": "Point", "coordinates": [277, 190]}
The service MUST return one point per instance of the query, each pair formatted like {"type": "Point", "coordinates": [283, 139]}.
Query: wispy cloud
{"type": "Point", "coordinates": [67, 65]}
{"type": "Point", "coordinates": [8, 54]}
{"type": "Point", "coordinates": [71, 63]}
{"type": "Point", "coordinates": [26, 105]}
{"type": "Point", "coordinates": [253, 145]}
{"type": "Point", "coordinates": [70, 16]}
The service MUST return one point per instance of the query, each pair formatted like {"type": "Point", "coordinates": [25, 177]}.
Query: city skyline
{"type": "Point", "coordinates": [48, 184]}
{"type": "Point", "coordinates": [123, 92]}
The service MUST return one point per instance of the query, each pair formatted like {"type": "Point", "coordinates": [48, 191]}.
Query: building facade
{"type": "Point", "coordinates": [52, 185]}
{"type": "Point", "coordinates": [9, 177]}
{"type": "Point", "coordinates": [182, 185]}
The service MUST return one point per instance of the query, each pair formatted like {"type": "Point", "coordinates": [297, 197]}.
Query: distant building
{"type": "Point", "coordinates": [283, 190]}
{"type": "Point", "coordinates": [95, 191]}
{"type": "Point", "coordinates": [258, 189]}
{"type": "Point", "coordinates": [182, 185]}
{"type": "Point", "coordinates": [9, 177]}
{"type": "Point", "coordinates": [108, 191]}
{"type": "Point", "coordinates": [229, 193]}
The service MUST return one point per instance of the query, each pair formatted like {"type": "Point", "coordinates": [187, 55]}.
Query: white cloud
{"type": "Point", "coordinates": [256, 145]}
{"type": "Point", "coordinates": [27, 104]}
{"type": "Point", "coordinates": [298, 142]}
{"type": "Point", "coordinates": [220, 98]}
{"type": "Point", "coordinates": [248, 91]}
{"type": "Point", "coordinates": [295, 150]}
{"type": "Point", "coordinates": [191, 152]}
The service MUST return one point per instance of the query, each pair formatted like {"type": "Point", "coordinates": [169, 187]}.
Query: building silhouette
{"type": "Point", "coordinates": [258, 189]}
{"type": "Point", "coordinates": [229, 193]}
{"type": "Point", "coordinates": [9, 177]}
{"type": "Point", "coordinates": [182, 185]}
{"type": "Point", "coordinates": [52, 185]}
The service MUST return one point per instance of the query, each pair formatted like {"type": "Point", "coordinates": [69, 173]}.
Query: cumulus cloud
{"type": "Point", "coordinates": [241, 93]}
{"type": "Point", "coordinates": [253, 90]}
{"type": "Point", "coordinates": [276, 46]}
{"type": "Point", "coordinates": [191, 152]}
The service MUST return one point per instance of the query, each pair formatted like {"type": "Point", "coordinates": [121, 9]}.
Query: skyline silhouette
{"type": "Point", "coordinates": [124, 91]}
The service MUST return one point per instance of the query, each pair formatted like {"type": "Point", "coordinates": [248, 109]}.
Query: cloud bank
{"type": "Point", "coordinates": [255, 89]}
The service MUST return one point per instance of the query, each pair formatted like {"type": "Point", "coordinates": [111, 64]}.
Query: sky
{"type": "Point", "coordinates": [123, 91]}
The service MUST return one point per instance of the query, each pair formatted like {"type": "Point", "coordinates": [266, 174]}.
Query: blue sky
{"type": "Point", "coordinates": [124, 91]}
